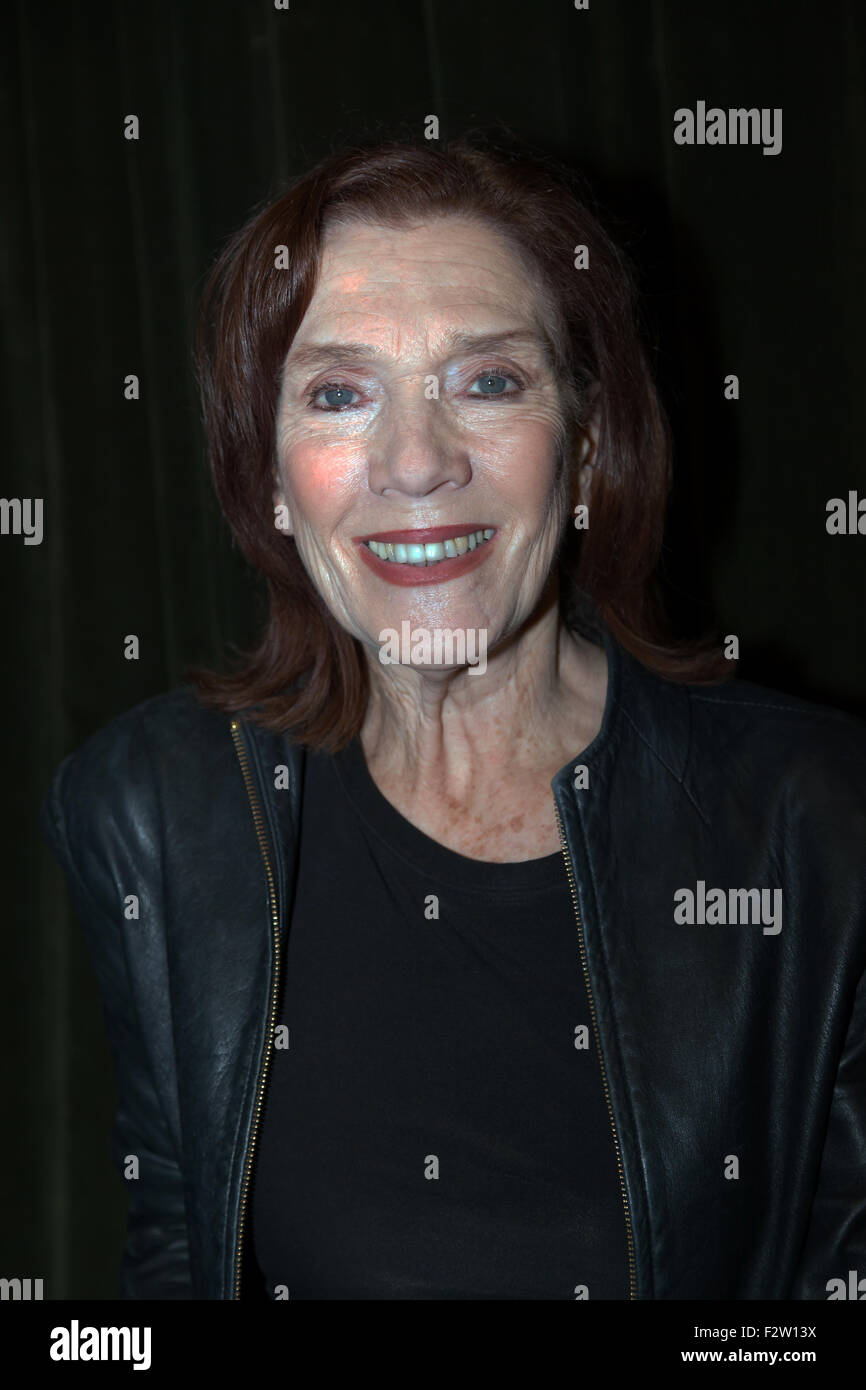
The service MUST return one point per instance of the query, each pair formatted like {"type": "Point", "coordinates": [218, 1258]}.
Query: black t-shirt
{"type": "Point", "coordinates": [431, 1131]}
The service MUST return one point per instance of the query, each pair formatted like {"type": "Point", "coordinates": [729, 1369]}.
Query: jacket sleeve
{"type": "Point", "coordinates": [155, 1262]}
{"type": "Point", "coordinates": [836, 1240]}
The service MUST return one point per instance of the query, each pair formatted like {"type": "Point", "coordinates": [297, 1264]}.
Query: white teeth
{"type": "Point", "coordinates": [433, 551]}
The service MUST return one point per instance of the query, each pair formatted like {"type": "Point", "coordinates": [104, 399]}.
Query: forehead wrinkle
{"type": "Point", "coordinates": [454, 342]}
{"type": "Point", "coordinates": [340, 276]}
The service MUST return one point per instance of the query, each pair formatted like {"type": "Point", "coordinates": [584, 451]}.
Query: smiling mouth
{"type": "Point", "coordinates": [430, 552]}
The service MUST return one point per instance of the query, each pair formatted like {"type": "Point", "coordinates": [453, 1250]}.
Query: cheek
{"type": "Point", "coordinates": [524, 455]}
{"type": "Point", "coordinates": [318, 476]}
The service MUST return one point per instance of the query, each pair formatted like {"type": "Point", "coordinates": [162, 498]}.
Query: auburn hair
{"type": "Point", "coordinates": [308, 676]}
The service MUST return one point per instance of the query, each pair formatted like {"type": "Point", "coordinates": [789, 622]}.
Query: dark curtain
{"type": "Point", "coordinates": [750, 264]}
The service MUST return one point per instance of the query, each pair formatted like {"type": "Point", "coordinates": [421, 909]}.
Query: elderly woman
{"type": "Point", "coordinates": [473, 939]}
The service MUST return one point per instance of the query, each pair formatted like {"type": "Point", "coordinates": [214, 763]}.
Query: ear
{"type": "Point", "coordinates": [282, 514]}
{"type": "Point", "coordinates": [587, 441]}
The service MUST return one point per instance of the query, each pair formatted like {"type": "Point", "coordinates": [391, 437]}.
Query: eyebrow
{"type": "Point", "coordinates": [315, 354]}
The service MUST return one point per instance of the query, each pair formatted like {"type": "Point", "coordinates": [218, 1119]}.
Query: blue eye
{"type": "Point", "coordinates": [494, 384]}
{"type": "Point", "coordinates": [336, 396]}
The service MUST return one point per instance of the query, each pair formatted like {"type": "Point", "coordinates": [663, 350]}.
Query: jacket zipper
{"type": "Point", "coordinates": [632, 1276]}
{"type": "Point", "coordinates": [258, 821]}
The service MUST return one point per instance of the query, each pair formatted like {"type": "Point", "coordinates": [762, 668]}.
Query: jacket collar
{"type": "Point", "coordinates": [638, 705]}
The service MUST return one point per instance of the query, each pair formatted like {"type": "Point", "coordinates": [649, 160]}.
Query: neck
{"type": "Point", "coordinates": [454, 735]}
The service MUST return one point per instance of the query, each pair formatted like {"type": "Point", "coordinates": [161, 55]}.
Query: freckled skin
{"type": "Point", "coordinates": [467, 758]}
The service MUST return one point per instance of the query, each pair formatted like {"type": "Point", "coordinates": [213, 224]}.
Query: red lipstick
{"type": "Point", "coordinates": [427, 534]}
{"type": "Point", "coordinates": [408, 576]}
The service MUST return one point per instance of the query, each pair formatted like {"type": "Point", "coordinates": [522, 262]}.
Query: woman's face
{"type": "Point", "coordinates": [419, 393]}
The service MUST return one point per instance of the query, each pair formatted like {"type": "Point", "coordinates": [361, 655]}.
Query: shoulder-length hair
{"type": "Point", "coordinates": [308, 676]}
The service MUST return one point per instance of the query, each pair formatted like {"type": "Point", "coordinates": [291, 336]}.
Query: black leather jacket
{"type": "Point", "coordinates": [733, 1053]}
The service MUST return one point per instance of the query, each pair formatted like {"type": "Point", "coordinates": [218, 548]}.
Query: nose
{"type": "Point", "coordinates": [416, 448]}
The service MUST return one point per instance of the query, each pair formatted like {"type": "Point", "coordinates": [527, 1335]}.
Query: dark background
{"type": "Point", "coordinates": [749, 264]}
